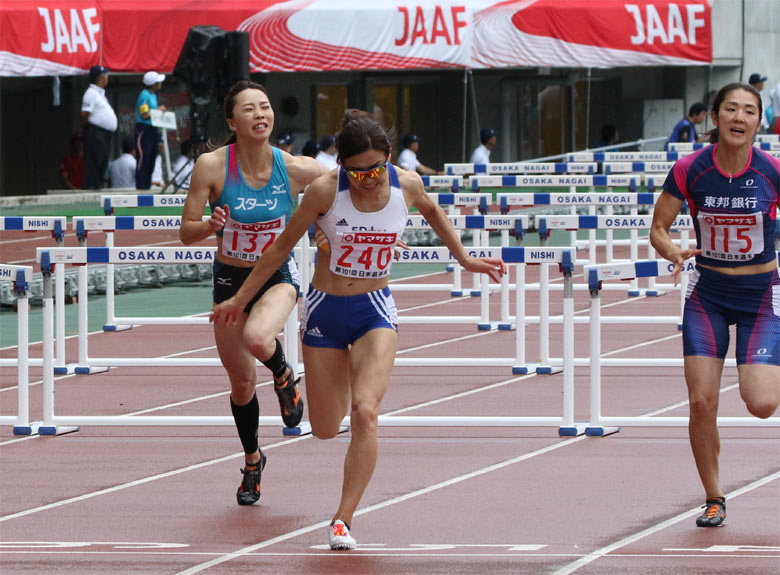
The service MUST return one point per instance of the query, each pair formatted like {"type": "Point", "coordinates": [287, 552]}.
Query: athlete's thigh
{"type": "Point", "coordinates": [327, 386]}
{"type": "Point", "coordinates": [759, 381]}
{"type": "Point", "coordinates": [271, 311]}
{"type": "Point", "coordinates": [371, 362]}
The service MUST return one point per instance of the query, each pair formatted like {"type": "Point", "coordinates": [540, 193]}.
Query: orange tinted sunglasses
{"type": "Point", "coordinates": [374, 172]}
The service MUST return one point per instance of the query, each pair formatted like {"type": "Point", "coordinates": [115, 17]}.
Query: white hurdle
{"type": "Point", "coordinates": [21, 276]}
{"type": "Point", "coordinates": [56, 225]}
{"type": "Point", "coordinates": [110, 224]}
{"type": "Point", "coordinates": [600, 425]}
{"type": "Point", "coordinates": [518, 256]}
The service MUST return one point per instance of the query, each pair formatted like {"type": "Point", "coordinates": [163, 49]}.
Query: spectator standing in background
{"type": "Point", "coordinates": [407, 159]}
{"type": "Point", "coordinates": [99, 124]}
{"type": "Point", "coordinates": [757, 81]}
{"type": "Point", "coordinates": [774, 98]}
{"type": "Point", "coordinates": [285, 142]}
{"type": "Point", "coordinates": [685, 129]}
{"type": "Point", "coordinates": [72, 165]}
{"type": "Point", "coordinates": [327, 154]}
{"type": "Point", "coordinates": [311, 148]}
{"type": "Point", "coordinates": [123, 168]}
{"type": "Point", "coordinates": [147, 137]}
{"type": "Point", "coordinates": [481, 154]}
{"type": "Point", "coordinates": [182, 167]}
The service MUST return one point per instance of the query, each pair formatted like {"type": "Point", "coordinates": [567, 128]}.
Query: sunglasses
{"type": "Point", "coordinates": [372, 173]}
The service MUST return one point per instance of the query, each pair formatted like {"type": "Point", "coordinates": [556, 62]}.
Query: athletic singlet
{"type": "Point", "coordinates": [733, 215]}
{"type": "Point", "coordinates": [361, 243]}
{"type": "Point", "coordinates": [257, 215]}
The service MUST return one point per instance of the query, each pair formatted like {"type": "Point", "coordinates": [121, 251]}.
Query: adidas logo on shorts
{"type": "Point", "coordinates": [342, 222]}
{"type": "Point", "coordinates": [315, 332]}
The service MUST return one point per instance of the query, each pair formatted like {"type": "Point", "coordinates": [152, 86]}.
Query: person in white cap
{"type": "Point", "coordinates": [147, 137]}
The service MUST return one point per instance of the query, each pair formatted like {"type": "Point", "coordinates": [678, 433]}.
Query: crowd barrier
{"type": "Point", "coordinates": [21, 276]}
{"type": "Point", "coordinates": [514, 256]}
{"type": "Point", "coordinates": [603, 425]}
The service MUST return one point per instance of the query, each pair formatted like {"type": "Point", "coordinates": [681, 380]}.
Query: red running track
{"type": "Point", "coordinates": [442, 500]}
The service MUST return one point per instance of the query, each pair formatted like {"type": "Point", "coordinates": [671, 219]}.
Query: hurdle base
{"type": "Point", "coordinates": [450, 268]}
{"type": "Point", "coordinates": [51, 430]}
{"type": "Point", "coordinates": [506, 326]}
{"type": "Point", "coordinates": [303, 429]}
{"type": "Point", "coordinates": [89, 370]}
{"type": "Point", "coordinates": [487, 326]}
{"type": "Point", "coordinates": [29, 429]}
{"type": "Point", "coordinates": [600, 431]}
{"type": "Point", "coordinates": [547, 370]}
{"type": "Point", "coordinates": [117, 327]}
{"type": "Point", "coordinates": [647, 292]}
{"type": "Point", "coordinates": [456, 293]}
{"type": "Point", "coordinates": [574, 430]}
{"type": "Point", "coordinates": [520, 370]}
{"type": "Point", "coordinates": [64, 369]}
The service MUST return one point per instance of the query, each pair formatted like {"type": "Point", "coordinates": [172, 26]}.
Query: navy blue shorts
{"type": "Point", "coordinates": [715, 301]}
{"type": "Point", "coordinates": [338, 321]}
{"type": "Point", "coordinates": [227, 280]}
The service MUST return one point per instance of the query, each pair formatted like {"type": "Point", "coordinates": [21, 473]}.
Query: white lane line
{"type": "Point", "coordinates": [137, 482]}
{"type": "Point", "coordinates": [590, 557]}
{"type": "Point", "coordinates": [400, 499]}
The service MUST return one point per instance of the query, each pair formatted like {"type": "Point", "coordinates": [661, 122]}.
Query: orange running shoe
{"type": "Point", "coordinates": [249, 491]}
{"type": "Point", "coordinates": [290, 400]}
{"type": "Point", "coordinates": [714, 513]}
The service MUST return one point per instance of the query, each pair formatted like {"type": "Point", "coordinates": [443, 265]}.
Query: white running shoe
{"type": "Point", "coordinates": [340, 539]}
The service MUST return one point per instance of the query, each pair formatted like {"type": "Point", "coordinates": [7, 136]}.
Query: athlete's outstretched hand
{"type": "Point", "coordinates": [679, 258]}
{"type": "Point", "coordinates": [493, 267]}
{"type": "Point", "coordinates": [226, 312]}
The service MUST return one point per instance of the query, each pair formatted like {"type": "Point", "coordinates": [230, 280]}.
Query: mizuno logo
{"type": "Point", "coordinates": [342, 222]}
{"type": "Point", "coordinates": [278, 189]}
{"type": "Point", "coordinates": [224, 281]}
{"type": "Point", "coordinates": [315, 332]}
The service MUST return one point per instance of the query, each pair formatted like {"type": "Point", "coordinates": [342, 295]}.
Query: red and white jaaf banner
{"type": "Point", "coordinates": [61, 37]}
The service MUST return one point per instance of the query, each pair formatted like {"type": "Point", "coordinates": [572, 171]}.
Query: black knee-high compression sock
{"type": "Point", "coordinates": [246, 418]}
{"type": "Point", "coordinates": [277, 363]}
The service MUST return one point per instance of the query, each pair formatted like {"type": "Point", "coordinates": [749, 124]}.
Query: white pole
{"type": "Point", "coordinates": [23, 365]}
{"type": "Point", "coordinates": [520, 316]}
{"type": "Point", "coordinates": [110, 310]}
{"type": "Point", "coordinates": [48, 368]}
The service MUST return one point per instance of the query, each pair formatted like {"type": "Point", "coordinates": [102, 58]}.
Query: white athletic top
{"type": "Point", "coordinates": [361, 243]}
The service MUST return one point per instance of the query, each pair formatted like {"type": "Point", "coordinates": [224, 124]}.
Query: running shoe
{"type": "Point", "coordinates": [290, 400]}
{"type": "Point", "coordinates": [249, 491]}
{"type": "Point", "coordinates": [340, 539]}
{"type": "Point", "coordinates": [714, 513]}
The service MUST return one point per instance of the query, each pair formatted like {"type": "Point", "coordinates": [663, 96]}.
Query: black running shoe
{"type": "Point", "coordinates": [249, 491]}
{"type": "Point", "coordinates": [714, 513]}
{"type": "Point", "coordinates": [290, 400]}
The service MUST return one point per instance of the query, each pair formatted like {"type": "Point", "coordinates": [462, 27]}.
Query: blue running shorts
{"type": "Point", "coordinates": [338, 321]}
{"type": "Point", "coordinates": [714, 301]}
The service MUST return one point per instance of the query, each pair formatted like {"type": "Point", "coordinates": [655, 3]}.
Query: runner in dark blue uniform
{"type": "Point", "coordinates": [732, 192]}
